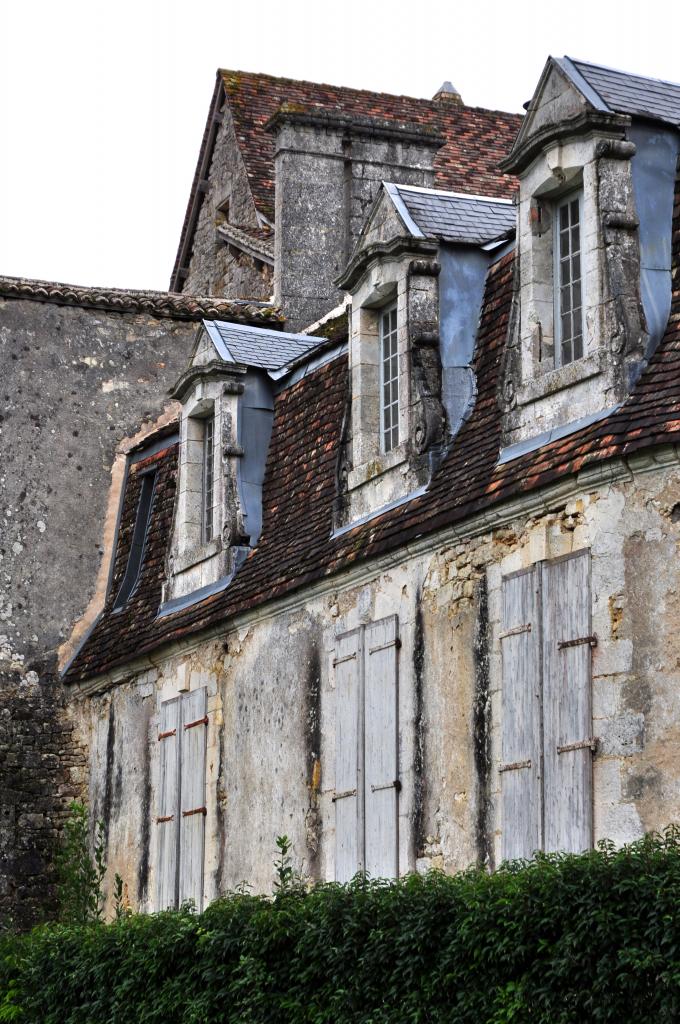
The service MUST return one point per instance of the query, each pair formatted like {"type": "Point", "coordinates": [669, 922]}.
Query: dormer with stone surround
{"type": "Point", "coordinates": [593, 270]}
{"type": "Point", "coordinates": [416, 281]}
{"type": "Point", "coordinates": [226, 396]}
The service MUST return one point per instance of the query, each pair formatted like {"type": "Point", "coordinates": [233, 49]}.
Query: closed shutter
{"type": "Point", "coordinates": [381, 748]}
{"type": "Point", "coordinates": [167, 806]}
{"type": "Point", "coordinates": [521, 797]}
{"type": "Point", "coordinates": [348, 730]}
{"type": "Point", "coordinates": [567, 712]}
{"type": "Point", "coordinates": [192, 802]}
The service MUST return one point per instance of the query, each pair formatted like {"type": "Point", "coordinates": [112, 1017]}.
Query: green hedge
{"type": "Point", "coordinates": [561, 939]}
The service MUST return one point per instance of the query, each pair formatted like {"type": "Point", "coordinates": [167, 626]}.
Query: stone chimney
{"type": "Point", "coordinates": [328, 169]}
{"type": "Point", "coordinates": [447, 94]}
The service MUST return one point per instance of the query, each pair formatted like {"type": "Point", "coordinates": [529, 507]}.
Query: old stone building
{"type": "Point", "coordinates": [399, 581]}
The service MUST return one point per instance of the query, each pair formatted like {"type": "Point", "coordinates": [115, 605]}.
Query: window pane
{"type": "Point", "coordinates": [564, 218]}
{"type": "Point", "coordinates": [578, 346]}
{"type": "Point", "coordinates": [575, 239]}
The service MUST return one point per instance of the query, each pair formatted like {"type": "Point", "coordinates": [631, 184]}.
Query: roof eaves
{"type": "Point", "coordinates": [197, 193]}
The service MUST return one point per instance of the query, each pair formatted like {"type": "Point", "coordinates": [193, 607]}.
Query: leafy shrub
{"type": "Point", "coordinates": [80, 872]}
{"type": "Point", "coordinates": [558, 940]}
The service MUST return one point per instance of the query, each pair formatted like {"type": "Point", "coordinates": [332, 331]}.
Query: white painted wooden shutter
{"type": "Point", "coordinates": [521, 796]}
{"type": "Point", "coordinates": [567, 712]}
{"type": "Point", "coordinates": [381, 748]}
{"type": "Point", "coordinates": [348, 798]}
{"type": "Point", "coordinates": [167, 820]}
{"type": "Point", "coordinates": [192, 802]}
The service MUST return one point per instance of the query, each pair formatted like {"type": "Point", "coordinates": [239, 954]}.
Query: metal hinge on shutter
{"type": "Point", "coordinates": [580, 641]}
{"type": "Point", "coordinates": [199, 721]}
{"type": "Point", "coordinates": [383, 647]}
{"type": "Point", "coordinates": [166, 735]}
{"type": "Point", "coordinates": [514, 766]}
{"type": "Point", "coordinates": [345, 793]}
{"type": "Point", "coordinates": [516, 630]}
{"type": "Point", "coordinates": [347, 657]}
{"type": "Point", "coordinates": [195, 810]}
{"type": "Point", "coordinates": [388, 785]}
{"type": "Point", "coordinates": [589, 744]}
{"type": "Point", "coordinates": [166, 817]}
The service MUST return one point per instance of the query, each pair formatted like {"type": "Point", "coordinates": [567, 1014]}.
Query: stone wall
{"type": "Point", "coordinates": [75, 382]}
{"type": "Point", "coordinates": [216, 268]}
{"type": "Point", "coordinates": [271, 692]}
{"type": "Point", "coordinates": [327, 176]}
{"type": "Point", "coordinates": [41, 770]}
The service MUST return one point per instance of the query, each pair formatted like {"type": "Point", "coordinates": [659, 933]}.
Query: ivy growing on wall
{"type": "Point", "coordinates": [557, 940]}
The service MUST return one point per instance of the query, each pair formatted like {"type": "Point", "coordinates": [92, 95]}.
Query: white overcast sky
{"type": "Point", "coordinates": [102, 105]}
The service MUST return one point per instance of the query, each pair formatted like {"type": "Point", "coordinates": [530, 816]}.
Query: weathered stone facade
{"type": "Point", "coordinates": [271, 692]}
{"type": "Point", "coordinates": [217, 267]}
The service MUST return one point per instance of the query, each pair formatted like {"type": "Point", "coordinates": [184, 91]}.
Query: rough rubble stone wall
{"type": "Point", "coordinates": [75, 382]}
{"type": "Point", "coordinates": [215, 268]}
{"type": "Point", "coordinates": [41, 770]}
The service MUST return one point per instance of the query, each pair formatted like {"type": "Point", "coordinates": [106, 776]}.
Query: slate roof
{"type": "Point", "coordinates": [269, 350]}
{"type": "Point", "coordinates": [453, 216]}
{"type": "Point", "coordinates": [296, 546]}
{"type": "Point", "coordinates": [476, 139]}
{"type": "Point", "coordinates": [124, 300]}
{"type": "Point", "coordinates": [633, 94]}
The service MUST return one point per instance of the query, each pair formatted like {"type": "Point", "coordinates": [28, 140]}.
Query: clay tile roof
{"type": "Point", "coordinates": [476, 139]}
{"type": "Point", "coordinates": [297, 547]}
{"type": "Point", "coordinates": [125, 300]}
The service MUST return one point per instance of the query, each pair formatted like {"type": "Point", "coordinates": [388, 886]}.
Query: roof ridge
{"type": "Point", "coordinates": [135, 300]}
{"type": "Point", "coordinates": [622, 71]}
{"type": "Point", "coordinates": [364, 92]}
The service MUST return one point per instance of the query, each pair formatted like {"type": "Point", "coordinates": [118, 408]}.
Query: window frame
{"type": "Point", "coordinates": [208, 479]}
{"type": "Point", "coordinates": [559, 204]}
{"type": "Point", "coordinates": [394, 406]}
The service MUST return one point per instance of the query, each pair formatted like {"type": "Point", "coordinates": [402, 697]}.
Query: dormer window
{"type": "Point", "coordinates": [568, 280]}
{"type": "Point", "coordinates": [389, 379]}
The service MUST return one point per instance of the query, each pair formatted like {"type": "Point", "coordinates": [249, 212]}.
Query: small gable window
{"type": "Point", "coordinates": [389, 379]}
{"type": "Point", "coordinates": [568, 280]}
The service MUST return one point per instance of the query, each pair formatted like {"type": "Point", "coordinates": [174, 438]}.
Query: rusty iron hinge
{"type": "Point", "coordinates": [196, 810]}
{"type": "Point", "coordinates": [516, 630]}
{"type": "Point", "coordinates": [165, 735]}
{"type": "Point", "coordinates": [580, 641]}
{"type": "Point", "coordinates": [199, 721]}
{"type": "Point", "coordinates": [388, 785]}
{"type": "Point", "coordinates": [383, 647]}
{"type": "Point", "coordinates": [347, 657]}
{"type": "Point", "coordinates": [345, 792]}
{"type": "Point", "coordinates": [514, 766]}
{"type": "Point", "coordinates": [167, 817]}
{"type": "Point", "coordinates": [589, 744]}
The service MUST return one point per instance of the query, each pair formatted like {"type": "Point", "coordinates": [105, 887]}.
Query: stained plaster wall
{"type": "Point", "coordinates": [216, 268]}
{"type": "Point", "coordinates": [270, 764]}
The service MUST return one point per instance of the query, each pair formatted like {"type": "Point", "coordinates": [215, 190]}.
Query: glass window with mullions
{"type": "Point", "coordinates": [389, 380]}
{"type": "Point", "coordinates": [208, 496]}
{"type": "Point", "coordinates": [568, 281]}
